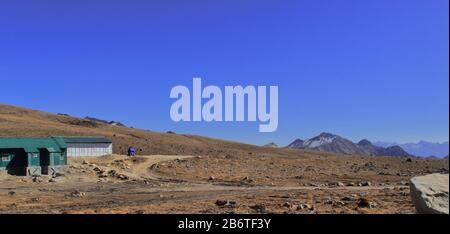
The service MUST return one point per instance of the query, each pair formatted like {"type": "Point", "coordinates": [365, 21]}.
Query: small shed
{"type": "Point", "coordinates": [88, 146]}
{"type": "Point", "coordinates": [32, 156]}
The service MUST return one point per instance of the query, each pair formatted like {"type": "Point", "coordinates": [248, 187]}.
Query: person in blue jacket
{"type": "Point", "coordinates": [131, 151]}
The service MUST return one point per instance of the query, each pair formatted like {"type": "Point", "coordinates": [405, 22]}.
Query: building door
{"type": "Point", "coordinates": [44, 160]}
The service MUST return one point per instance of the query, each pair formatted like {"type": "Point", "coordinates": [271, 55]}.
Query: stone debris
{"type": "Point", "coordinates": [77, 194]}
{"type": "Point", "coordinates": [366, 203]}
{"type": "Point", "coordinates": [37, 179]}
{"type": "Point", "coordinates": [365, 184]}
{"type": "Point", "coordinates": [305, 207]}
{"type": "Point", "coordinates": [287, 205]}
{"type": "Point", "coordinates": [226, 204]}
{"type": "Point", "coordinates": [260, 208]}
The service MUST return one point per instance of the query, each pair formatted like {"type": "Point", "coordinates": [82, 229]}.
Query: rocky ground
{"type": "Point", "coordinates": [221, 184]}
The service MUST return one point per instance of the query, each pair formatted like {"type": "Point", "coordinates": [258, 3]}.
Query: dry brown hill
{"type": "Point", "coordinates": [23, 122]}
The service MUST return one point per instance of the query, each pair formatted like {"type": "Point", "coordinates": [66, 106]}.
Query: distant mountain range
{"type": "Point", "coordinates": [328, 142]}
{"type": "Point", "coordinates": [422, 148]}
{"type": "Point", "coordinates": [271, 145]}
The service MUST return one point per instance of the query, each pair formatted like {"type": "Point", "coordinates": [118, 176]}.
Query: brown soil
{"type": "Point", "coordinates": [245, 178]}
{"type": "Point", "coordinates": [181, 184]}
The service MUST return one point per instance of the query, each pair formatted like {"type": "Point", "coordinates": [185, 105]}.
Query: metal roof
{"type": "Point", "coordinates": [86, 140]}
{"type": "Point", "coordinates": [32, 145]}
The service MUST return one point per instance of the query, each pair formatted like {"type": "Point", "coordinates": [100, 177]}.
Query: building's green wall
{"type": "Point", "coordinates": [5, 163]}
{"type": "Point", "coordinates": [34, 160]}
{"type": "Point", "coordinates": [18, 158]}
{"type": "Point", "coordinates": [58, 159]}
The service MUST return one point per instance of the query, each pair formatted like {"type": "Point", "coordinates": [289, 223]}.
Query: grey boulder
{"type": "Point", "coordinates": [430, 193]}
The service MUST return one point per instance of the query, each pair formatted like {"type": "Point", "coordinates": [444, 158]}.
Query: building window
{"type": "Point", "coordinates": [5, 158]}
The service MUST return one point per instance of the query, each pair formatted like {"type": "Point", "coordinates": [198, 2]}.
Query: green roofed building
{"type": "Point", "coordinates": [32, 156]}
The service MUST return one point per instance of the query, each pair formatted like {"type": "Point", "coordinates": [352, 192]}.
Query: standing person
{"type": "Point", "coordinates": [131, 151]}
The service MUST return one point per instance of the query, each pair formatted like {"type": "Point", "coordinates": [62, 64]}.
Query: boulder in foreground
{"type": "Point", "coordinates": [430, 193]}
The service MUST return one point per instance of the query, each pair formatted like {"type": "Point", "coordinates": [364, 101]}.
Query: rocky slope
{"type": "Point", "coordinates": [328, 142]}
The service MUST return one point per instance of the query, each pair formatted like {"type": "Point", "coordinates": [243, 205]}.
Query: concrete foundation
{"type": "Point", "coordinates": [53, 170]}
{"type": "Point", "coordinates": [33, 171]}
{"type": "Point", "coordinates": [3, 172]}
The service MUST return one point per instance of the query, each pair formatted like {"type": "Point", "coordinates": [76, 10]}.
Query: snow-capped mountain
{"type": "Point", "coordinates": [328, 142]}
{"type": "Point", "coordinates": [322, 139]}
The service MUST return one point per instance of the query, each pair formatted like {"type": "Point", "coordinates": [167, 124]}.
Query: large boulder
{"type": "Point", "coordinates": [430, 193]}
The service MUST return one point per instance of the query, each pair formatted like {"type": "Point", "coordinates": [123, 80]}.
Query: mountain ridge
{"type": "Point", "coordinates": [328, 142]}
{"type": "Point", "coordinates": [421, 148]}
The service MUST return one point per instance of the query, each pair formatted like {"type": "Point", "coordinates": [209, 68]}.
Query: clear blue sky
{"type": "Point", "coordinates": [375, 69]}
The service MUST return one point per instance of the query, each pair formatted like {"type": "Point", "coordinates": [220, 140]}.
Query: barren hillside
{"type": "Point", "coordinates": [22, 122]}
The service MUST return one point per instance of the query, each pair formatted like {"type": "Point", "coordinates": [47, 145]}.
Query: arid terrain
{"type": "Point", "coordinates": [190, 174]}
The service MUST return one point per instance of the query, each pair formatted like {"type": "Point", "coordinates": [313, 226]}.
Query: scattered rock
{"type": "Point", "coordinates": [305, 207]}
{"type": "Point", "coordinates": [112, 173]}
{"type": "Point", "coordinates": [98, 170]}
{"type": "Point", "coordinates": [287, 205]}
{"type": "Point", "coordinates": [37, 179]}
{"type": "Point", "coordinates": [12, 193]}
{"type": "Point", "coordinates": [12, 206]}
{"type": "Point", "coordinates": [383, 173]}
{"type": "Point", "coordinates": [221, 202]}
{"type": "Point", "coordinates": [77, 194]}
{"type": "Point", "coordinates": [339, 203]}
{"type": "Point", "coordinates": [35, 199]}
{"type": "Point", "coordinates": [248, 179]}
{"type": "Point", "coordinates": [260, 208]}
{"type": "Point", "coordinates": [122, 177]}
{"type": "Point", "coordinates": [232, 204]}
{"type": "Point", "coordinates": [226, 204]}
{"type": "Point", "coordinates": [328, 201]}
{"type": "Point", "coordinates": [365, 184]}
{"type": "Point", "coordinates": [348, 199]}
{"type": "Point", "coordinates": [430, 193]}
{"type": "Point", "coordinates": [336, 184]}
{"type": "Point", "coordinates": [365, 203]}
{"type": "Point", "coordinates": [140, 212]}
{"type": "Point", "coordinates": [404, 194]}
